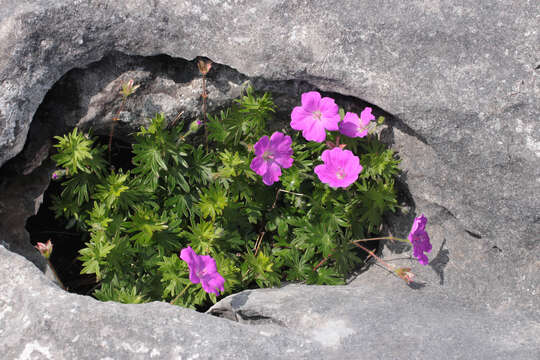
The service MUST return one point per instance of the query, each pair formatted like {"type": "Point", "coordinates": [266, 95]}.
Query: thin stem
{"type": "Point", "coordinates": [388, 266]}
{"type": "Point", "coordinates": [204, 96]}
{"type": "Point", "coordinates": [381, 238]}
{"type": "Point", "coordinates": [259, 241]}
{"type": "Point", "coordinates": [290, 192]}
{"type": "Point", "coordinates": [55, 274]}
{"type": "Point", "coordinates": [181, 293]}
{"type": "Point", "coordinates": [115, 119]}
{"type": "Point", "coordinates": [322, 262]}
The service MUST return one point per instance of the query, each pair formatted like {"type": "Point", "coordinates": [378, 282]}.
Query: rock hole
{"type": "Point", "coordinates": [88, 98]}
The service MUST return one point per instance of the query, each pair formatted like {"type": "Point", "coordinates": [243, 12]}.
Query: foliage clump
{"type": "Point", "coordinates": [176, 194]}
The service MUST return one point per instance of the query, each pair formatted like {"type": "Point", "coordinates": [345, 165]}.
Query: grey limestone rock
{"type": "Point", "coordinates": [38, 320]}
{"type": "Point", "coordinates": [166, 85]}
{"type": "Point", "coordinates": [459, 83]}
{"type": "Point", "coordinates": [374, 318]}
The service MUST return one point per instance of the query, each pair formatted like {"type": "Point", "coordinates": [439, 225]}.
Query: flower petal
{"type": "Point", "coordinates": [315, 132]}
{"type": "Point", "coordinates": [300, 118]}
{"type": "Point", "coordinates": [366, 116]}
{"type": "Point", "coordinates": [208, 264]}
{"type": "Point", "coordinates": [310, 101]}
{"type": "Point", "coordinates": [348, 129]}
{"type": "Point", "coordinates": [213, 283]}
{"type": "Point", "coordinates": [192, 259]}
{"type": "Point", "coordinates": [272, 174]}
{"type": "Point", "coordinates": [259, 165]}
{"type": "Point", "coordinates": [330, 113]}
{"type": "Point", "coordinates": [188, 255]}
{"type": "Point", "coordinates": [328, 106]}
{"type": "Point", "coordinates": [261, 145]}
{"type": "Point", "coordinates": [284, 160]}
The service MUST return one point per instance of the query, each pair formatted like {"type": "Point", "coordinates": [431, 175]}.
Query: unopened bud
{"type": "Point", "coordinates": [45, 249]}
{"type": "Point", "coordinates": [194, 126]}
{"type": "Point", "coordinates": [204, 66]}
{"type": "Point", "coordinates": [58, 174]}
{"type": "Point", "coordinates": [128, 88]}
{"type": "Point", "coordinates": [405, 274]}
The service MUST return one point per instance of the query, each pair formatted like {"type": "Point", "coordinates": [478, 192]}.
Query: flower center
{"type": "Point", "coordinates": [201, 273]}
{"type": "Point", "coordinates": [340, 174]}
{"type": "Point", "coordinates": [317, 115]}
{"type": "Point", "coordinates": [268, 155]}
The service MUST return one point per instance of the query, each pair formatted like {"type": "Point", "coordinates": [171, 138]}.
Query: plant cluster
{"type": "Point", "coordinates": [296, 224]}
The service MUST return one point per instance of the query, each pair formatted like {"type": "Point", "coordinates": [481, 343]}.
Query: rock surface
{"type": "Point", "coordinates": [38, 320]}
{"type": "Point", "coordinates": [374, 318]}
{"type": "Point", "coordinates": [166, 85]}
{"type": "Point", "coordinates": [460, 80]}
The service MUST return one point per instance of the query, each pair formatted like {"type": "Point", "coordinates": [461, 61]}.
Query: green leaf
{"type": "Point", "coordinates": [119, 292]}
{"type": "Point", "coordinates": [144, 223]}
{"type": "Point", "coordinates": [212, 202]}
{"type": "Point", "coordinates": [74, 152]}
{"type": "Point", "coordinates": [202, 237]}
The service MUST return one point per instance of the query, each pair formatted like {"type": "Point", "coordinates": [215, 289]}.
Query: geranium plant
{"type": "Point", "coordinates": [256, 209]}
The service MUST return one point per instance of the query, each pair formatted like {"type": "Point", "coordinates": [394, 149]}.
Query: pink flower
{"type": "Point", "coordinates": [420, 239]}
{"type": "Point", "coordinates": [272, 154]}
{"type": "Point", "coordinates": [352, 126]}
{"type": "Point", "coordinates": [315, 116]}
{"type": "Point", "coordinates": [340, 168]}
{"type": "Point", "coordinates": [45, 249]}
{"type": "Point", "coordinates": [203, 269]}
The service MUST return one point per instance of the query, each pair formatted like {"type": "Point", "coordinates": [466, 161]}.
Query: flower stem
{"type": "Point", "coordinates": [322, 262]}
{"type": "Point", "coordinates": [386, 265]}
{"type": "Point", "coordinates": [55, 274]}
{"type": "Point", "coordinates": [181, 293]}
{"type": "Point", "coordinates": [204, 97]}
{"type": "Point", "coordinates": [381, 238]}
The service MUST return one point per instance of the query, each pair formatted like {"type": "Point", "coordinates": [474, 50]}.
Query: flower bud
{"type": "Point", "coordinates": [128, 88]}
{"type": "Point", "coordinates": [45, 249]}
{"type": "Point", "coordinates": [405, 274]}
{"type": "Point", "coordinates": [194, 126]}
{"type": "Point", "coordinates": [204, 66]}
{"type": "Point", "coordinates": [58, 174]}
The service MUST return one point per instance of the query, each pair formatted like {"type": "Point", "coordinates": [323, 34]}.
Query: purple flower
{"type": "Point", "coordinates": [352, 126]}
{"type": "Point", "coordinates": [272, 154]}
{"type": "Point", "coordinates": [420, 239]}
{"type": "Point", "coordinates": [315, 116]}
{"type": "Point", "coordinates": [203, 269]}
{"type": "Point", "coordinates": [340, 168]}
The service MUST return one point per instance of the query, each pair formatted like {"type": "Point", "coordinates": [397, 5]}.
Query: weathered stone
{"type": "Point", "coordinates": [38, 320]}
{"type": "Point", "coordinates": [459, 79]}
{"type": "Point", "coordinates": [381, 319]}
{"type": "Point", "coordinates": [166, 85]}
